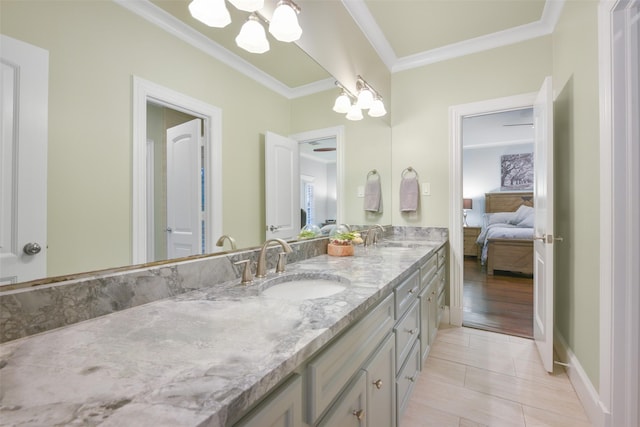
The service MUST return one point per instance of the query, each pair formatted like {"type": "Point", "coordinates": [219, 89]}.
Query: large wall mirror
{"type": "Point", "coordinates": [95, 49]}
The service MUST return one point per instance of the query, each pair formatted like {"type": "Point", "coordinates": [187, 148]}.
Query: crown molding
{"type": "Point", "coordinates": [364, 19]}
{"type": "Point", "coordinates": [155, 15]}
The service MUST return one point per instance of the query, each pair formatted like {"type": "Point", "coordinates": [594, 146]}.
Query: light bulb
{"type": "Point", "coordinates": [210, 12]}
{"type": "Point", "coordinates": [365, 99]}
{"type": "Point", "coordinates": [248, 5]}
{"type": "Point", "coordinates": [284, 23]}
{"type": "Point", "coordinates": [354, 113]}
{"type": "Point", "coordinates": [252, 37]}
{"type": "Point", "coordinates": [343, 104]}
{"type": "Point", "coordinates": [377, 108]}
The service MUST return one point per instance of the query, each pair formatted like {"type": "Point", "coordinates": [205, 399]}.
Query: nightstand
{"type": "Point", "coordinates": [470, 236]}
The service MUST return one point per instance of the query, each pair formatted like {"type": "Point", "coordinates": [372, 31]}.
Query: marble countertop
{"type": "Point", "coordinates": [197, 359]}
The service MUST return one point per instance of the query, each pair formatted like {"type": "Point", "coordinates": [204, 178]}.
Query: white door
{"type": "Point", "coordinates": [23, 161]}
{"type": "Point", "coordinates": [282, 181]}
{"type": "Point", "coordinates": [184, 192]}
{"type": "Point", "coordinates": [543, 228]}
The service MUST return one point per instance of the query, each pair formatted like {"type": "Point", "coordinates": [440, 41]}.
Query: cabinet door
{"type": "Point", "coordinates": [425, 332]}
{"type": "Point", "coordinates": [381, 393]}
{"type": "Point", "coordinates": [350, 409]}
{"type": "Point", "coordinates": [283, 408]}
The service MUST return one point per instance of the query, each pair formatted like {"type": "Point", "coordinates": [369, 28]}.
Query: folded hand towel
{"type": "Point", "coordinates": [373, 196]}
{"type": "Point", "coordinates": [409, 194]}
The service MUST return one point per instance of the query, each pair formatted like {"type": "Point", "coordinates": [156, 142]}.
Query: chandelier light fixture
{"type": "Point", "coordinates": [283, 26]}
{"type": "Point", "coordinates": [366, 99]}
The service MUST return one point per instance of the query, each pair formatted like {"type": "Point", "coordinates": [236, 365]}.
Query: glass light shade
{"type": "Point", "coordinates": [252, 37]}
{"type": "Point", "coordinates": [354, 113]}
{"type": "Point", "coordinates": [248, 5]}
{"type": "Point", "coordinates": [213, 13]}
{"type": "Point", "coordinates": [343, 104]}
{"type": "Point", "coordinates": [284, 24]}
{"type": "Point", "coordinates": [377, 108]}
{"type": "Point", "coordinates": [365, 99]}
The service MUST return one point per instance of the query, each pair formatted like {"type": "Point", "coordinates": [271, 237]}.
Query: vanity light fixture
{"type": "Point", "coordinates": [284, 22]}
{"type": "Point", "coordinates": [367, 99]}
{"type": "Point", "coordinates": [283, 26]}
{"type": "Point", "coordinates": [248, 5]}
{"type": "Point", "coordinates": [213, 13]}
{"type": "Point", "coordinates": [252, 37]}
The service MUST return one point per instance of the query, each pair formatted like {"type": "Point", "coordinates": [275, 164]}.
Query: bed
{"type": "Point", "coordinates": [506, 238]}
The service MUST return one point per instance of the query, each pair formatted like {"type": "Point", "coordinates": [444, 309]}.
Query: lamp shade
{"type": "Point", "coordinates": [284, 23]}
{"type": "Point", "coordinates": [213, 13]}
{"type": "Point", "coordinates": [354, 113]}
{"type": "Point", "coordinates": [342, 104]}
{"type": "Point", "coordinates": [248, 5]}
{"type": "Point", "coordinates": [252, 37]}
{"type": "Point", "coordinates": [467, 203]}
{"type": "Point", "coordinates": [365, 99]}
{"type": "Point", "coordinates": [377, 108]}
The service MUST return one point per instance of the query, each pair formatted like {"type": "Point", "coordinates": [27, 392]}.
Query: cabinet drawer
{"type": "Point", "coordinates": [441, 280]}
{"type": "Point", "coordinates": [351, 407]}
{"type": "Point", "coordinates": [406, 380]}
{"type": "Point", "coordinates": [428, 270]}
{"type": "Point", "coordinates": [441, 304]}
{"type": "Point", "coordinates": [333, 368]}
{"type": "Point", "coordinates": [442, 256]}
{"type": "Point", "coordinates": [407, 331]}
{"type": "Point", "coordinates": [283, 408]}
{"type": "Point", "coordinates": [381, 389]}
{"type": "Point", "coordinates": [406, 293]}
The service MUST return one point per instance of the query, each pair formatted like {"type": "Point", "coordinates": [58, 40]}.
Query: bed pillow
{"type": "Point", "coordinates": [499, 218]}
{"type": "Point", "coordinates": [524, 216]}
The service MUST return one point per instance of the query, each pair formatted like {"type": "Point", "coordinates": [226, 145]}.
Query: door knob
{"type": "Point", "coordinates": [169, 230]}
{"type": "Point", "coordinates": [32, 248]}
{"type": "Point", "coordinates": [273, 228]}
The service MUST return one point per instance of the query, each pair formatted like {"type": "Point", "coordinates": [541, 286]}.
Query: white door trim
{"type": "Point", "coordinates": [456, 256]}
{"type": "Point", "coordinates": [144, 91]}
{"type": "Point", "coordinates": [619, 213]}
{"type": "Point", "coordinates": [336, 132]}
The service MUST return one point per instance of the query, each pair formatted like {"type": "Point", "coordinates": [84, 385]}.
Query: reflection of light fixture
{"type": "Point", "coordinates": [466, 204]}
{"type": "Point", "coordinates": [213, 13]}
{"type": "Point", "coordinates": [248, 5]}
{"type": "Point", "coordinates": [354, 113]}
{"type": "Point", "coordinates": [367, 98]}
{"type": "Point", "coordinates": [252, 37]}
{"type": "Point", "coordinates": [284, 22]}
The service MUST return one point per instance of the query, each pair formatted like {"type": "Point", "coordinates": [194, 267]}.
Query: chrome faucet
{"type": "Point", "coordinates": [372, 234]}
{"type": "Point", "coordinates": [231, 240]}
{"type": "Point", "coordinates": [261, 269]}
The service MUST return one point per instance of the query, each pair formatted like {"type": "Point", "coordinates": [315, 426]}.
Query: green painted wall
{"type": "Point", "coordinates": [577, 183]}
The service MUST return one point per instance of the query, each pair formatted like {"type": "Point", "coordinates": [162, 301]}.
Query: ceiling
{"type": "Point", "coordinates": [404, 33]}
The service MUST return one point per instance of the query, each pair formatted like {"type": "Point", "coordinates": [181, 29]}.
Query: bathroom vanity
{"type": "Point", "coordinates": [231, 355]}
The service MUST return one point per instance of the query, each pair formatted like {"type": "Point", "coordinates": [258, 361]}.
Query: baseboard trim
{"type": "Point", "coordinates": [585, 390]}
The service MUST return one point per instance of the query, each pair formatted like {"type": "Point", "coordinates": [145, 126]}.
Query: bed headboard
{"type": "Point", "coordinates": [506, 201]}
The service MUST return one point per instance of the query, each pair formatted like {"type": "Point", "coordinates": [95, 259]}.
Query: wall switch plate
{"type": "Point", "coordinates": [361, 191]}
{"type": "Point", "coordinates": [426, 188]}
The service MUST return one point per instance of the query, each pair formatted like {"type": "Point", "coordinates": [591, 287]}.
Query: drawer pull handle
{"type": "Point", "coordinates": [411, 291]}
{"type": "Point", "coordinates": [378, 384]}
{"type": "Point", "coordinates": [359, 414]}
{"type": "Point", "coordinates": [412, 331]}
{"type": "Point", "coordinates": [429, 299]}
{"type": "Point", "coordinates": [412, 379]}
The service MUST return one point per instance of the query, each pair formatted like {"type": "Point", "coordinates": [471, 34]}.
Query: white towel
{"type": "Point", "coordinates": [373, 196]}
{"type": "Point", "coordinates": [409, 194]}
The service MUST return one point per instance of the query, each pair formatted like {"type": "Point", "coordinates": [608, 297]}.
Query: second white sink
{"type": "Point", "coordinates": [303, 287]}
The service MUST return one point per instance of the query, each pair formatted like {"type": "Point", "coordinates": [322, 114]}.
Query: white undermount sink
{"type": "Point", "coordinates": [304, 286]}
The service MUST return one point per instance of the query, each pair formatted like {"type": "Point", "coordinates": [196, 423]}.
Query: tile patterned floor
{"type": "Point", "coordinates": [475, 378]}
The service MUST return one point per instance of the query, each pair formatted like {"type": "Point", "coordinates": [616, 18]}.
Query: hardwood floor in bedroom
{"type": "Point", "coordinates": [501, 303]}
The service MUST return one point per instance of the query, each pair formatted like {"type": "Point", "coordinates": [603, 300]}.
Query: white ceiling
{"type": "Point", "coordinates": [404, 33]}
{"type": "Point", "coordinates": [498, 129]}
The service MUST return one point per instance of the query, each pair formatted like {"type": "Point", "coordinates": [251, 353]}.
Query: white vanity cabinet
{"type": "Point", "coordinates": [283, 408]}
{"type": "Point", "coordinates": [433, 280]}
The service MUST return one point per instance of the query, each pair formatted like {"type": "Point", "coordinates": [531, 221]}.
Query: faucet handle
{"type": "Point", "coordinates": [282, 260]}
{"type": "Point", "coordinates": [247, 277]}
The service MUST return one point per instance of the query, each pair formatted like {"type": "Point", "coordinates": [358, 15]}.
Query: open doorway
{"type": "Point", "coordinates": [497, 188]}
{"type": "Point", "coordinates": [318, 189]}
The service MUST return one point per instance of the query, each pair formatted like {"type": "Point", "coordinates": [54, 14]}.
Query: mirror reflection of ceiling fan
{"type": "Point", "coordinates": [519, 124]}
{"type": "Point", "coordinates": [323, 149]}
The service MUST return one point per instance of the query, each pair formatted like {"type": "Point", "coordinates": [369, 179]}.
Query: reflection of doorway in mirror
{"type": "Point", "coordinates": [318, 181]}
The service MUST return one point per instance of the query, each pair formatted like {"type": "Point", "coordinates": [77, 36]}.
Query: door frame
{"type": "Point", "coordinates": [619, 215]}
{"type": "Point", "coordinates": [336, 132]}
{"type": "Point", "coordinates": [145, 91]}
{"type": "Point", "coordinates": [456, 252]}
